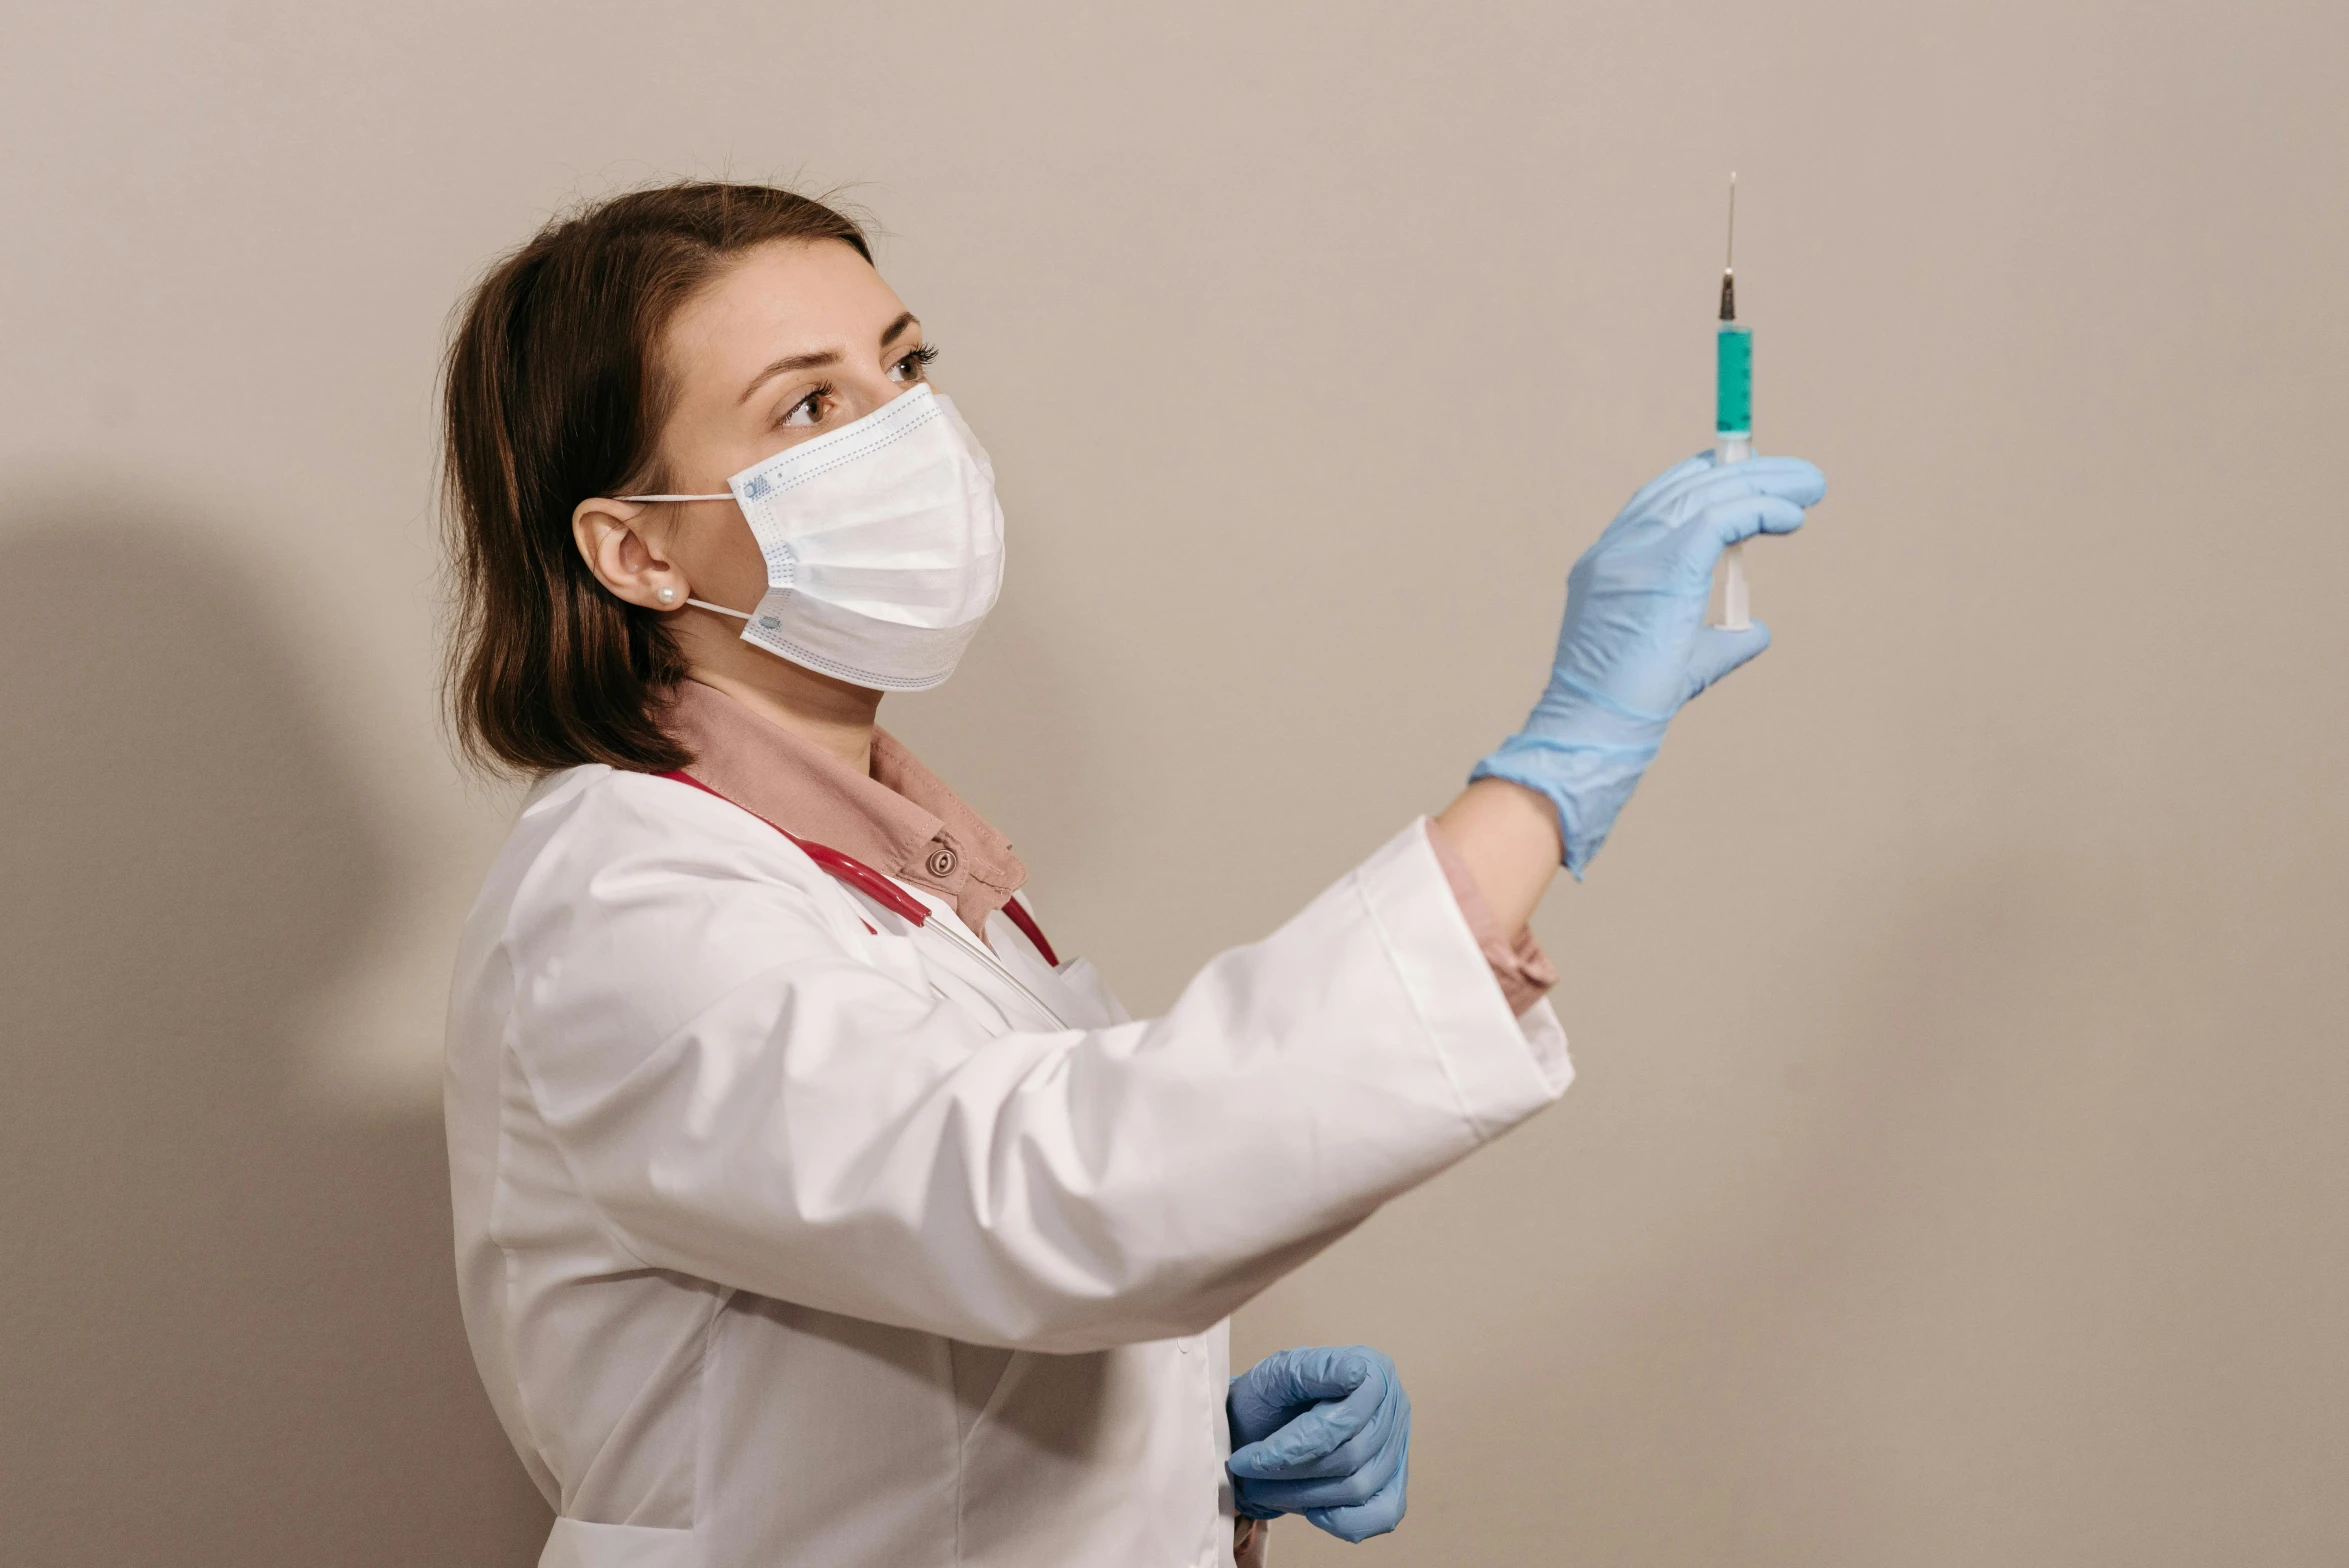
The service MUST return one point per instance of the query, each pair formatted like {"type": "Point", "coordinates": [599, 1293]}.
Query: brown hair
{"type": "Point", "coordinates": [554, 392]}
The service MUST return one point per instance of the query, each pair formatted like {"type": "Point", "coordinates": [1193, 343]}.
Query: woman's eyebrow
{"type": "Point", "coordinates": [815, 361]}
{"type": "Point", "coordinates": [788, 363]}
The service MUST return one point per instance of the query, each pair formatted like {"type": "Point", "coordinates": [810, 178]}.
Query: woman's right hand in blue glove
{"type": "Point", "coordinates": [1325, 1432]}
{"type": "Point", "coordinates": [1635, 646]}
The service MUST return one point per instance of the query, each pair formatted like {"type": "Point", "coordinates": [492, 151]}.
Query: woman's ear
{"type": "Point", "coordinates": [624, 556]}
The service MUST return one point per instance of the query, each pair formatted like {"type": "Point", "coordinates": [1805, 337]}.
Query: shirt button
{"type": "Point", "coordinates": [942, 862]}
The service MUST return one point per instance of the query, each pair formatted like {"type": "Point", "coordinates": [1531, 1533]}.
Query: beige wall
{"type": "Point", "coordinates": [1955, 1175]}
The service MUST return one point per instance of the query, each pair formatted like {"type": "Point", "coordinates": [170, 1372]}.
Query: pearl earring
{"type": "Point", "coordinates": [666, 594]}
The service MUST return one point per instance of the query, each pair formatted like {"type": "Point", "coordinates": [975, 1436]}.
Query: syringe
{"type": "Point", "coordinates": [1733, 413]}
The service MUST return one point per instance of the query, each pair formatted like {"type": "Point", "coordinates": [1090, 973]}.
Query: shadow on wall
{"type": "Point", "coordinates": [228, 1327]}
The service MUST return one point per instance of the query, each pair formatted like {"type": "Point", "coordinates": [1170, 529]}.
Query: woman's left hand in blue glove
{"type": "Point", "coordinates": [1325, 1432]}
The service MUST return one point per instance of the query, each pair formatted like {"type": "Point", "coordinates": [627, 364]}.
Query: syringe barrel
{"type": "Point", "coordinates": [1733, 385]}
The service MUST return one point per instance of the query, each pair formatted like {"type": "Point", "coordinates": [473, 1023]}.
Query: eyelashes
{"type": "Point", "coordinates": [817, 398]}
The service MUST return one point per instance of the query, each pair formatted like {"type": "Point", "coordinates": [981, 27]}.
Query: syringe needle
{"type": "Point", "coordinates": [1729, 257]}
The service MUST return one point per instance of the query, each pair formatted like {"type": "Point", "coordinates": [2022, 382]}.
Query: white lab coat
{"type": "Point", "coordinates": [791, 1234]}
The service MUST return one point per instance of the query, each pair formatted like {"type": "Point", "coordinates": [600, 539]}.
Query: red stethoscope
{"type": "Point", "coordinates": [854, 873]}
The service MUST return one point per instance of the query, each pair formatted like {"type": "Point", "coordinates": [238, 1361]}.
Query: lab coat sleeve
{"type": "Point", "coordinates": [745, 1097]}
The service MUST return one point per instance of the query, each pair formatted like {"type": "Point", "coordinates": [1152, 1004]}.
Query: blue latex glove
{"type": "Point", "coordinates": [1325, 1432]}
{"type": "Point", "coordinates": [1635, 645]}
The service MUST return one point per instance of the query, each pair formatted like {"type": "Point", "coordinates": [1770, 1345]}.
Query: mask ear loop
{"type": "Point", "coordinates": [723, 495]}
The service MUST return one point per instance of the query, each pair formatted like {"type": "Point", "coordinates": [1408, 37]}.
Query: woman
{"type": "Point", "coordinates": [809, 1208]}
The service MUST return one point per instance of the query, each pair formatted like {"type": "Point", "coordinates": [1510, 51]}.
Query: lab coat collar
{"type": "Point", "coordinates": [902, 820]}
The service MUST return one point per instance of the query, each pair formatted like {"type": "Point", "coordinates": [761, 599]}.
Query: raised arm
{"type": "Point", "coordinates": [749, 1090]}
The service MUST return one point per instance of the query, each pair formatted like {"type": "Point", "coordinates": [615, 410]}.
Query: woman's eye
{"type": "Point", "coordinates": [809, 410]}
{"type": "Point", "coordinates": [912, 366]}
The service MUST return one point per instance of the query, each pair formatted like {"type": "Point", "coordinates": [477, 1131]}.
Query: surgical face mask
{"type": "Point", "coordinates": [883, 542]}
